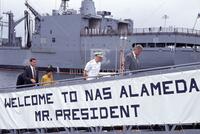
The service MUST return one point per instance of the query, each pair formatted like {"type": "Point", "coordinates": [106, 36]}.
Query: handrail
{"type": "Point", "coordinates": [114, 74]}
{"type": "Point", "coordinates": [166, 30]}
{"type": "Point", "coordinates": [164, 67]}
{"type": "Point", "coordinates": [149, 30]}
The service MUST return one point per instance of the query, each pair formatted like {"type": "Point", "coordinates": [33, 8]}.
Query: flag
{"type": "Point", "coordinates": [198, 16]}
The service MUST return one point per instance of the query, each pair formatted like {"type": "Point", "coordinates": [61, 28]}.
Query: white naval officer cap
{"type": "Point", "coordinates": [99, 54]}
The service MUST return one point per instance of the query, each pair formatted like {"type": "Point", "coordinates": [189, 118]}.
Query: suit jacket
{"type": "Point", "coordinates": [27, 75]}
{"type": "Point", "coordinates": [20, 81]}
{"type": "Point", "coordinates": [131, 63]}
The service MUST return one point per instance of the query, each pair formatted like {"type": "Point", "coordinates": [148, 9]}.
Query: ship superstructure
{"type": "Point", "coordinates": [67, 39]}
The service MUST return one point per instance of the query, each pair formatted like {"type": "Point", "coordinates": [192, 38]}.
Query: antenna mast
{"type": "Point", "coordinates": [64, 6]}
{"type": "Point", "coordinates": [165, 17]}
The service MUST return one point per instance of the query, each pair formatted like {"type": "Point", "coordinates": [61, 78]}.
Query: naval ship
{"type": "Point", "coordinates": [67, 39]}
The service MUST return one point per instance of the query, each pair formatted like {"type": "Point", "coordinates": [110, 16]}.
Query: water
{"type": "Point", "coordinates": [8, 78]}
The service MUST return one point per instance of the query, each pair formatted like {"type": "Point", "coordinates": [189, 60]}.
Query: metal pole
{"type": "Point", "coordinates": [122, 59]}
{"type": "Point", "coordinates": [165, 17]}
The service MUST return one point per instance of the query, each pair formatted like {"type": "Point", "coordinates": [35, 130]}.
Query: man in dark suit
{"type": "Point", "coordinates": [131, 60]}
{"type": "Point", "coordinates": [20, 81]}
{"type": "Point", "coordinates": [30, 74]}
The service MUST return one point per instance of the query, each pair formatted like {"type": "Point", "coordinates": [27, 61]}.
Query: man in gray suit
{"type": "Point", "coordinates": [131, 60]}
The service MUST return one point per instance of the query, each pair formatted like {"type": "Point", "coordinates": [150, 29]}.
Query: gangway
{"type": "Point", "coordinates": [179, 74]}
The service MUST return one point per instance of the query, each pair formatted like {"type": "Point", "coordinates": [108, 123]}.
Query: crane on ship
{"type": "Point", "coordinates": [2, 25]}
{"type": "Point", "coordinates": [198, 16]}
{"type": "Point", "coordinates": [38, 17]}
{"type": "Point", "coordinates": [11, 26]}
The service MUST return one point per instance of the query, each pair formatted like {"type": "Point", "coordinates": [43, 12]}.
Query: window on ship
{"type": "Point", "coordinates": [160, 44]}
{"type": "Point", "coordinates": [190, 45]}
{"type": "Point", "coordinates": [151, 44]}
{"type": "Point", "coordinates": [181, 45]}
{"type": "Point", "coordinates": [53, 39]}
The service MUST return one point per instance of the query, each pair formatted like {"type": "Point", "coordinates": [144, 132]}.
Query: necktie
{"type": "Point", "coordinates": [34, 73]}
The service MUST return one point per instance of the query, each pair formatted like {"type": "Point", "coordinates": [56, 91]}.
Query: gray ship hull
{"type": "Point", "coordinates": [74, 58]}
{"type": "Point", "coordinates": [69, 39]}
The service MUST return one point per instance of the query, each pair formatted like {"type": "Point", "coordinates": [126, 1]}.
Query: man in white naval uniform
{"type": "Point", "coordinates": [93, 67]}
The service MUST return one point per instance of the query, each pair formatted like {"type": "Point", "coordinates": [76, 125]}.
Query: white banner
{"type": "Point", "coordinates": [158, 99]}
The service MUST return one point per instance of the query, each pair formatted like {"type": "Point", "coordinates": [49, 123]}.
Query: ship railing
{"type": "Point", "coordinates": [107, 76]}
{"type": "Point", "coordinates": [102, 32]}
{"type": "Point", "coordinates": [113, 75]}
{"type": "Point", "coordinates": [166, 30]}
{"type": "Point", "coordinates": [150, 30]}
{"type": "Point", "coordinates": [131, 129]}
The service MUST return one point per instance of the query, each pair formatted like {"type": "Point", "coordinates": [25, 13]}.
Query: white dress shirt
{"type": "Point", "coordinates": [93, 69]}
{"type": "Point", "coordinates": [33, 71]}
